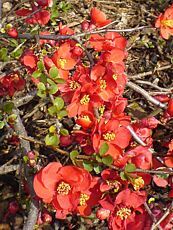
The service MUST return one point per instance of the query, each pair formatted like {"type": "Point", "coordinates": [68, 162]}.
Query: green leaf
{"type": "Point", "coordinates": [36, 74]}
{"type": "Point", "coordinates": [8, 106]}
{"type": "Point", "coordinates": [52, 110]}
{"type": "Point", "coordinates": [12, 118]}
{"type": "Point", "coordinates": [52, 139]}
{"type": "Point", "coordinates": [97, 169]}
{"type": "Point", "coordinates": [73, 154]}
{"type": "Point", "coordinates": [98, 158]}
{"type": "Point", "coordinates": [130, 168]}
{"type": "Point", "coordinates": [40, 65]}
{"type": "Point", "coordinates": [103, 149]}
{"type": "Point", "coordinates": [2, 123]}
{"type": "Point", "coordinates": [107, 160]}
{"type": "Point", "coordinates": [123, 176]}
{"type": "Point", "coordinates": [4, 54]}
{"type": "Point", "coordinates": [52, 129]}
{"type": "Point", "coordinates": [59, 80]}
{"type": "Point", "coordinates": [53, 88]}
{"type": "Point", "coordinates": [41, 90]}
{"type": "Point", "coordinates": [25, 159]}
{"type": "Point", "coordinates": [61, 114]}
{"type": "Point", "coordinates": [88, 166]}
{"type": "Point", "coordinates": [64, 132]}
{"type": "Point", "coordinates": [59, 103]}
{"type": "Point", "coordinates": [53, 72]}
{"type": "Point", "coordinates": [43, 78]}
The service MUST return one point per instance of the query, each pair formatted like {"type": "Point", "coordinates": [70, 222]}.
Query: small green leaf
{"type": "Point", "coordinates": [53, 72]}
{"type": "Point", "coordinates": [43, 78]}
{"type": "Point", "coordinates": [103, 149]}
{"type": "Point", "coordinates": [73, 154]}
{"type": "Point", "coordinates": [52, 129]}
{"type": "Point", "coordinates": [41, 90]}
{"type": "Point", "coordinates": [88, 166]}
{"type": "Point", "coordinates": [40, 65]}
{"type": "Point", "coordinates": [98, 158]}
{"type": "Point", "coordinates": [8, 106]}
{"type": "Point", "coordinates": [52, 110]}
{"type": "Point", "coordinates": [59, 103]}
{"type": "Point", "coordinates": [97, 169]}
{"type": "Point", "coordinates": [107, 160]}
{"type": "Point", "coordinates": [12, 118]}
{"type": "Point", "coordinates": [123, 176]}
{"type": "Point", "coordinates": [52, 139]}
{"type": "Point", "coordinates": [25, 159]}
{"type": "Point", "coordinates": [64, 132]}
{"type": "Point", "coordinates": [53, 88]}
{"type": "Point", "coordinates": [2, 123]}
{"type": "Point", "coordinates": [59, 80]}
{"type": "Point", "coordinates": [4, 54]}
{"type": "Point", "coordinates": [61, 114]}
{"type": "Point", "coordinates": [130, 168]}
{"type": "Point", "coordinates": [36, 74]}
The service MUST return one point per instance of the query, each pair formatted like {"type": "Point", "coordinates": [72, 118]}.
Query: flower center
{"type": "Point", "coordinates": [102, 84]}
{"type": "Point", "coordinates": [168, 22]}
{"type": "Point", "coordinates": [83, 198]}
{"type": "Point", "coordinates": [109, 136]}
{"type": "Point", "coordinates": [101, 109]}
{"type": "Point", "coordinates": [124, 213]}
{"type": "Point", "coordinates": [63, 188]}
{"type": "Point", "coordinates": [85, 117]}
{"type": "Point", "coordinates": [115, 76]}
{"type": "Point", "coordinates": [74, 85]}
{"type": "Point", "coordinates": [114, 184]}
{"type": "Point", "coordinates": [85, 99]}
{"type": "Point", "coordinates": [62, 62]}
{"type": "Point", "coordinates": [138, 183]}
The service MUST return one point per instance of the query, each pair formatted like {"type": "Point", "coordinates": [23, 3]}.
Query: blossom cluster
{"type": "Point", "coordinates": [92, 87]}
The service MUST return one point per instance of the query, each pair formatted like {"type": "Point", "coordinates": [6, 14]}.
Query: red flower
{"type": "Point", "coordinates": [86, 120]}
{"type": "Point", "coordinates": [54, 185]}
{"type": "Point", "coordinates": [89, 198]}
{"type": "Point", "coordinates": [141, 157]}
{"type": "Point", "coordinates": [45, 3]}
{"type": "Point", "coordinates": [114, 134]}
{"type": "Point", "coordinates": [98, 18]}
{"type": "Point", "coordinates": [126, 205]}
{"type": "Point", "coordinates": [10, 84]}
{"type": "Point", "coordinates": [42, 17]}
{"type": "Point", "coordinates": [29, 60]}
{"type": "Point", "coordinates": [165, 23]}
{"type": "Point", "coordinates": [170, 107]}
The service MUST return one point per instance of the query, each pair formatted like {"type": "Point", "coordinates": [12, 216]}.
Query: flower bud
{"type": "Point", "coordinates": [13, 207]}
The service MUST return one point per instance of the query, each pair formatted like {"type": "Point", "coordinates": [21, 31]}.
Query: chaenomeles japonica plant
{"type": "Point", "coordinates": [83, 75]}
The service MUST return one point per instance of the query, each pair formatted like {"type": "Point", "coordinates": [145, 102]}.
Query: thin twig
{"type": "Point", "coordinates": [25, 145]}
{"type": "Point", "coordinates": [154, 86]}
{"type": "Point", "coordinates": [151, 215]}
{"type": "Point", "coordinates": [163, 217]}
{"type": "Point", "coordinates": [141, 75]}
{"type": "Point", "coordinates": [145, 94]}
{"type": "Point", "coordinates": [8, 169]}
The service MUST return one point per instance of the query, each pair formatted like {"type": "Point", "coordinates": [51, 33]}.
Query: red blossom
{"type": "Point", "coordinates": [165, 23]}
{"type": "Point", "coordinates": [54, 185]}
{"type": "Point", "coordinates": [29, 60]}
{"type": "Point", "coordinates": [98, 18]}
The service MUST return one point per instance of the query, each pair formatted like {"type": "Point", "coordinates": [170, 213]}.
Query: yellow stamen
{"type": "Point", "coordinates": [62, 62]}
{"type": "Point", "coordinates": [115, 76]}
{"type": "Point", "coordinates": [138, 183]}
{"type": "Point", "coordinates": [83, 198]}
{"type": "Point", "coordinates": [63, 188]}
{"type": "Point", "coordinates": [101, 109]}
{"type": "Point", "coordinates": [74, 85]}
{"type": "Point", "coordinates": [103, 84]}
{"type": "Point", "coordinates": [114, 184]}
{"type": "Point", "coordinates": [110, 136]}
{"type": "Point", "coordinates": [168, 22]}
{"type": "Point", "coordinates": [85, 99]}
{"type": "Point", "coordinates": [124, 213]}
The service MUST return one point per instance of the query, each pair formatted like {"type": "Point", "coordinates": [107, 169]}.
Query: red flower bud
{"type": "Point", "coordinates": [77, 51]}
{"type": "Point", "coordinates": [162, 98]}
{"type": "Point", "coordinates": [46, 217]}
{"type": "Point", "coordinates": [65, 140]}
{"type": "Point", "coordinates": [102, 213]}
{"type": "Point", "coordinates": [12, 32]}
{"type": "Point", "coordinates": [13, 207]}
{"type": "Point", "coordinates": [170, 107]}
{"type": "Point", "coordinates": [31, 155]}
{"type": "Point", "coordinates": [85, 25]}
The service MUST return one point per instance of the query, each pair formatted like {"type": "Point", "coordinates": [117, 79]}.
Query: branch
{"type": "Point", "coordinates": [4, 169]}
{"type": "Point", "coordinates": [25, 145]}
{"type": "Point", "coordinates": [145, 94]}
{"type": "Point", "coordinates": [140, 75]}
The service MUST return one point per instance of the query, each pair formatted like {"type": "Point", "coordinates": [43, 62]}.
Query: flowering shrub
{"type": "Point", "coordinates": [111, 159]}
